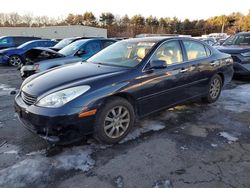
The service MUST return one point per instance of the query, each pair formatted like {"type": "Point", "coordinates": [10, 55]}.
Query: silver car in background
{"type": "Point", "coordinates": [77, 51]}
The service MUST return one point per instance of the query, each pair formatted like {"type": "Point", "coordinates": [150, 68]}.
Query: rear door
{"type": "Point", "coordinates": [197, 55]}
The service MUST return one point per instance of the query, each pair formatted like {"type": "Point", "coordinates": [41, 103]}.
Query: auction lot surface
{"type": "Point", "coordinates": [193, 145]}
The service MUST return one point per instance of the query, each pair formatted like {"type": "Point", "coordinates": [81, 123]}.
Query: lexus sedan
{"type": "Point", "coordinates": [238, 46]}
{"type": "Point", "coordinates": [15, 56]}
{"type": "Point", "coordinates": [79, 50]}
{"type": "Point", "coordinates": [127, 80]}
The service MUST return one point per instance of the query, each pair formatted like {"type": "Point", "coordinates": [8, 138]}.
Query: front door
{"type": "Point", "coordinates": [168, 86]}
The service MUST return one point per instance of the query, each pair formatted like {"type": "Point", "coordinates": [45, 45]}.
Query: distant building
{"type": "Point", "coordinates": [54, 32]}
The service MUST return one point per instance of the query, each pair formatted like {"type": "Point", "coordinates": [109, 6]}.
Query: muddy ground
{"type": "Point", "coordinates": [192, 145]}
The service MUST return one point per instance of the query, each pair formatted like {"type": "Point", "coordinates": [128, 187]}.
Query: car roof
{"type": "Point", "coordinates": [93, 39]}
{"type": "Point", "coordinates": [243, 33]}
{"type": "Point", "coordinates": [38, 41]}
{"type": "Point", "coordinates": [157, 39]}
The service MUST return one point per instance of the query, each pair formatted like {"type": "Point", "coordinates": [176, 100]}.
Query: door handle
{"type": "Point", "coordinates": [183, 70]}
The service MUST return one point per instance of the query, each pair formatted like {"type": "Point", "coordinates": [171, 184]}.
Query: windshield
{"type": "Point", "coordinates": [72, 48]}
{"type": "Point", "coordinates": [124, 53]}
{"type": "Point", "coordinates": [237, 40]}
{"type": "Point", "coordinates": [63, 43]}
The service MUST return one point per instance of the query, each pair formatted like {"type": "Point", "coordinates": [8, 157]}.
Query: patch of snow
{"type": "Point", "coordinates": [77, 158]}
{"type": "Point", "coordinates": [7, 90]}
{"type": "Point", "coordinates": [214, 145]}
{"type": "Point", "coordinates": [183, 148]}
{"type": "Point", "coordinates": [146, 126]}
{"type": "Point", "coordinates": [37, 169]}
{"type": "Point", "coordinates": [169, 114]}
{"type": "Point", "coordinates": [163, 184]}
{"type": "Point", "coordinates": [11, 152]}
{"type": "Point", "coordinates": [236, 100]}
{"type": "Point", "coordinates": [119, 182]}
{"type": "Point", "coordinates": [229, 137]}
{"type": "Point", "coordinates": [26, 172]}
{"type": "Point", "coordinates": [9, 149]}
{"type": "Point", "coordinates": [39, 152]}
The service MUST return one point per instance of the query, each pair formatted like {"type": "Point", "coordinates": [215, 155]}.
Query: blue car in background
{"type": "Point", "coordinates": [77, 51]}
{"type": "Point", "coordinates": [15, 56]}
{"type": "Point", "coordinates": [14, 41]}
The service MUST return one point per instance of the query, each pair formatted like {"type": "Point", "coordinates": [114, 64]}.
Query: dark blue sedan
{"type": "Point", "coordinates": [15, 56]}
{"type": "Point", "coordinates": [129, 79]}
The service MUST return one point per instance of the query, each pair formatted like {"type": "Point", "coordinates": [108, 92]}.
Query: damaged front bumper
{"type": "Point", "coordinates": [56, 126]}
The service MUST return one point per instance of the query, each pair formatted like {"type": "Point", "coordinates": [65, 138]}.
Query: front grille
{"type": "Point", "coordinates": [28, 99]}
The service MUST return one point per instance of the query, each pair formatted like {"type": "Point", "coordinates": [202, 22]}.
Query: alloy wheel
{"type": "Point", "coordinates": [215, 88]}
{"type": "Point", "coordinates": [116, 122]}
{"type": "Point", "coordinates": [15, 61]}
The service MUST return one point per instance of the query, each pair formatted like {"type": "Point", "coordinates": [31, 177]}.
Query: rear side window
{"type": "Point", "coordinates": [195, 50]}
{"type": "Point", "coordinates": [107, 43]}
{"type": "Point", "coordinates": [93, 47]}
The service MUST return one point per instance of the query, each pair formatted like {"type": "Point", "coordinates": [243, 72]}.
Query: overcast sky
{"type": "Point", "coordinates": [192, 9]}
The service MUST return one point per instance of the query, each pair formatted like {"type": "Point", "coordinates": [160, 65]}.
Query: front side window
{"type": "Point", "coordinates": [123, 53]}
{"type": "Point", "coordinates": [63, 43]}
{"type": "Point", "coordinates": [72, 48]}
{"type": "Point", "coordinates": [169, 52]}
{"type": "Point", "coordinates": [195, 50]}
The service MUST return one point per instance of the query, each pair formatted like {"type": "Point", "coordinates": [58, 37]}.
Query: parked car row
{"type": "Point", "coordinates": [40, 59]}
{"type": "Point", "coordinates": [127, 80]}
{"type": "Point", "coordinates": [15, 56]}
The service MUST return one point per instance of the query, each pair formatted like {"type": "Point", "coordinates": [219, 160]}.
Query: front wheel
{"type": "Point", "coordinates": [114, 120]}
{"type": "Point", "coordinates": [15, 60]}
{"type": "Point", "coordinates": [214, 89]}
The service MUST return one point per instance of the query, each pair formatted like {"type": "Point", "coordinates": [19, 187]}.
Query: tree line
{"type": "Point", "coordinates": [126, 26]}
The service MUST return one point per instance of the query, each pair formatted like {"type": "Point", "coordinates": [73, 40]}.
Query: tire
{"type": "Point", "coordinates": [114, 121]}
{"type": "Point", "coordinates": [214, 89]}
{"type": "Point", "coordinates": [15, 60]}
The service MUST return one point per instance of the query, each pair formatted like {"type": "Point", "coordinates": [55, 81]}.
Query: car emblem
{"type": "Point", "coordinates": [30, 85]}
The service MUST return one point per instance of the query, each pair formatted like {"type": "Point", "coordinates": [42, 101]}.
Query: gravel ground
{"type": "Point", "coordinates": [192, 145]}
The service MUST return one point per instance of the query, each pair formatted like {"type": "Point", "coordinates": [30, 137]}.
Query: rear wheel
{"type": "Point", "coordinates": [214, 89]}
{"type": "Point", "coordinates": [15, 60]}
{"type": "Point", "coordinates": [114, 121]}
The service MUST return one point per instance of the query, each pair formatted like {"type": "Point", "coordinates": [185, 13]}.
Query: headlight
{"type": "Point", "coordinates": [28, 68]}
{"type": "Point", "coordinates": [60, 98]}
{"type": "Point", "coordinates": [246, 54]}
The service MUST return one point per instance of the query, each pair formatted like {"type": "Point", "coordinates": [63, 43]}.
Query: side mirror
{"type": "Point", "coordinates": [80, 52]}
{"type": "Point", "coordinates": [157, 64]}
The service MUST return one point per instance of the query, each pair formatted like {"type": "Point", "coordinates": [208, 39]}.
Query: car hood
{"type": "Point", "coordinates": [68, 76]}
{"type": "Point", "coordinates": [234, 49]}
{"type": "Point", "coordinates": [36, 55]}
